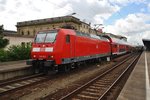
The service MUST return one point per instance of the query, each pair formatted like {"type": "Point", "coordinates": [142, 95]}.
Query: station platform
{"type": "Point", "coordinates": [137, 86]}
{"type": "Point", "coordinates": [13, 65]}
{"type": "Point", "coordinates": [14, 69]}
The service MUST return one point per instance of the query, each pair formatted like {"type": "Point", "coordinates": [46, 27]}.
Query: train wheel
{"type": "Point", "coordinates": [67, 68]}
{"type": "Point", "coordinates": [64, 68]}
{"type": "Point", "coordinates": [45, 70]}
{"type": "Point", "coordinates": [85, 64]}
{"type": "Point", "coordinates": [59, 69]}
{"type": "Point", "coordinates": [36, 67]}
{"type": "Point", "coordinates": [77, 65]}
{"type": "Point", "coordinates": [99, 61]}
{"type": "Point", "coordinates": [36, 70]}
{"type": "Point", "coordinates": [72, 65]}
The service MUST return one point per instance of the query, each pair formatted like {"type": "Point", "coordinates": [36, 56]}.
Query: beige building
{"type": "Point", "coordinates": [29, 28]}
{"type": "Point", "coordinates": [16, 39]}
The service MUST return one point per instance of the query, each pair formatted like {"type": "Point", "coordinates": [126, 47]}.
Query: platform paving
{"type": "Point", "coordinates": [137, 85]}
{"type": "Point", "coordinates": [14, 65]}
{"type": "Point", "coordinates": [14, 69]}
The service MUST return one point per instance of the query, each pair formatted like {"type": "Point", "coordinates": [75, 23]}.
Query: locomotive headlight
{"type": "Point", "coordinates": [34, 56]}
{"type": "Point", "coordinates": [49, 49]}
{"type": "Point", "coordinates": [36, 49]}
{"type": "Point", "coordinates": [50, 56]}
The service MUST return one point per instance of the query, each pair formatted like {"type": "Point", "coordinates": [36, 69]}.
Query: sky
{"type": "Point", "coordinates": [130, 18]}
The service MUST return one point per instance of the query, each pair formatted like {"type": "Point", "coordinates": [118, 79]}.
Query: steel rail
{"type": "Point", "coordinates": [89, 82]}
{"type": "Point", "coordinates": [122, 74]}
{"type": "Point", "coordinates": [38, 77]}
{"type": "Point", "coordinates": [20, 79]}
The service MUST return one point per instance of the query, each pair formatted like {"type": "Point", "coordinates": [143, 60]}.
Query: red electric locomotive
{"type": "Point", "coordinates": [63, 48]}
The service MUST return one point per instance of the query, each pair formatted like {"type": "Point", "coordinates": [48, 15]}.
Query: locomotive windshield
{"type": "Point", "coordinates": [46, 37]}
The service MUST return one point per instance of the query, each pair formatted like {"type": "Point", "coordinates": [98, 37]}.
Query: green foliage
{"type": "Point", "coordinates": [3, 42]}
{"type": "Point", "coordinates": [15, 52]}
{"type": "Point", "coordinates": [1, 29]}
{"type": "Point", "coordinates": [3, 55]}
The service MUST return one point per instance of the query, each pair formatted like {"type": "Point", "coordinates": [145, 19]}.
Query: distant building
{"type": "Point", "coordinates": [16, 39]}
{"type": "Point", "coordinates": [146, 44]}
{"type": "Point", "coordinates": [6, 32]}
{"type": "Point", "coordinates": [29, 28]}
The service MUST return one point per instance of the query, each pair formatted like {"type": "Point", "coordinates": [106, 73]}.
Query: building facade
{"type": "Point", "coordinates": [16, 39]}
{"type": "Point", "coordinates": [30, 28]}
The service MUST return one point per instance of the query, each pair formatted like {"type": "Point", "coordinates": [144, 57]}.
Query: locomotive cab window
{"type": "Point", "coordinates": [67, 38]}
{"type": "Point", "coordinates": [46, 37]}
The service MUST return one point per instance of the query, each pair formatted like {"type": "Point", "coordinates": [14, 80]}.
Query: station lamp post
{"type": "Point", "coordinates": [71, 14]}
{"type": "Point", "coordinates": [66, 16]}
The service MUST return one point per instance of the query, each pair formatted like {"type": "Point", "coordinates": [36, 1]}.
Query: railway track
{"type": "Point", "coordinates": [17, 84]}
{"type": "Point", "coordinates": [11, 85]}
{"type": "Point", "coordinates": [102, 86]}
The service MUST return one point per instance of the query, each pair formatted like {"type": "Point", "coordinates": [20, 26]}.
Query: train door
{"type": "Point", "coordinates": [70, 40]}
{"type": "Point", "coordinates": [72, 46]}
{"type": "Point", "coordinates": [118, 48]}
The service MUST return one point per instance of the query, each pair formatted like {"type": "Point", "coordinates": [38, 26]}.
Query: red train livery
{"type": "Point", "coordinates": [53, 48]}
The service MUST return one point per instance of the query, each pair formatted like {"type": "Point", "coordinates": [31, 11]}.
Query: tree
{"type": "Point", "coordinates": [3, 42]}
{"type": "Point", "coordinates": [1, 29]}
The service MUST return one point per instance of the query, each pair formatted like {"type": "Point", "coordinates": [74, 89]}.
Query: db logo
{"type": "Point", "coordinates": [42, 49]}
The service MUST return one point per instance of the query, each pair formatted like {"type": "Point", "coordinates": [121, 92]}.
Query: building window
{"type": "Point", "coordinates": [19, 30]}
{"type": "Point", "coordinates": [22, 33]}
{"type": "Point", "coordinates": [34, 32]}
{"type": "Point", "coordinates": [28, 32]}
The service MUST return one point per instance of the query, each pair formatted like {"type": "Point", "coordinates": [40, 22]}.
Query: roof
{"type": "Point", "coordinates": [119, 41]}
{"type": "Point", "coordinates": [11, 33]}
{"type": "Point", "coordinates": [49, 20]}
{"type": "Point", "coordinates": [115, 39]}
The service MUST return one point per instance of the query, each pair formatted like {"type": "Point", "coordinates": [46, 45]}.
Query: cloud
{"type": "Point", "coordinates": [2, 5]}
{"type": "Point", "coordinates": [134, 26]}
{"type": "Point", "coordinates": [3, 1]}
{"type": "Point", "coordinates": [94, 11]}
{"type": "Point", "coordinates": [125, 2]}
{"type": "Point", "coordinates": [148, 7]}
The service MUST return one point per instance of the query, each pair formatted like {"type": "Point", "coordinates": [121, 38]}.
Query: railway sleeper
{"type": "Point", "coordinates": [100, 84]}
{"type": "Point", "coordinates": [97, 87]}
{"type": "Point", "coordinates": [92, 90]}
{"type": "Point", "coordinates": [86, 97]}
{"type": "Point", "coordinates": [90, 93]}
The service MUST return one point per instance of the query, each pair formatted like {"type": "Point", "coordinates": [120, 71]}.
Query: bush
{"type": "Point", "coordinates": [3, 42]}
{"type": "Point", "coordinates": [3, 55]}
{"type": "Point", "coordinates": [16, 52]}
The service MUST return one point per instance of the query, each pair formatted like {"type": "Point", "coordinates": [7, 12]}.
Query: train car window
{"type": "Point", "coordinates": [88, 35]}
{"type": "Point", "coordinates": [83, 34]}
{"type": "Point", "coordinates": [95, 36]}
{"type": "Point", "coordinates": [78, 33]}
{"type": "Point", "coordinates": [67, 38]}
{"type": "Point", "coordinates": [115, 46]}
